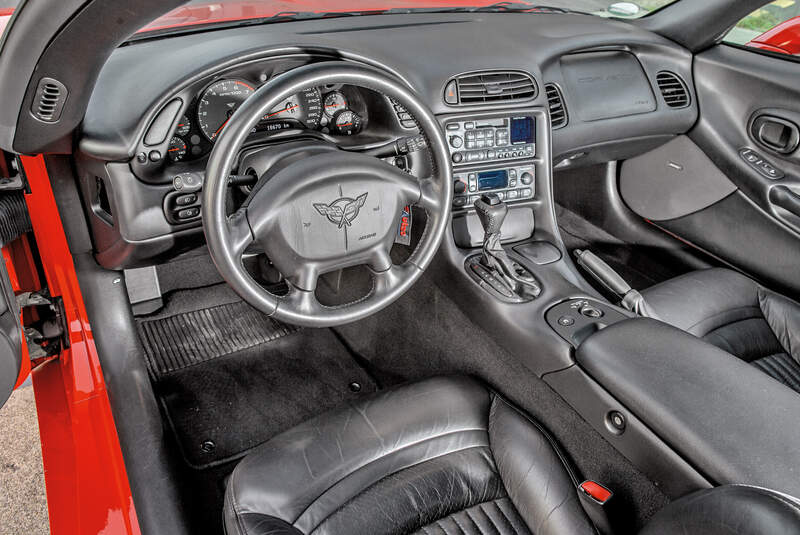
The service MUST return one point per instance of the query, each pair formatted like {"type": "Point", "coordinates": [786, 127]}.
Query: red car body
{"type": "Point", "coordinates": [782, 39]}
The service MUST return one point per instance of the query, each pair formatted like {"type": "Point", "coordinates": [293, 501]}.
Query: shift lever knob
{"type": "Point", "coordinates": [491, 212]}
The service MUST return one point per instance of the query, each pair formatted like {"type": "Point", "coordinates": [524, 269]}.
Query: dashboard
{"type": "Point", "coordinates": [590, 92]}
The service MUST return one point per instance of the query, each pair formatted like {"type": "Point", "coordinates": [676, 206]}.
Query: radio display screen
{"type": "Point", "coordinates": [492, 180]}
{"type": "Point", "coordinates": [521, 130]}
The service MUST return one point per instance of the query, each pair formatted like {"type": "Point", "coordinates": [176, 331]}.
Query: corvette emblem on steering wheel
{"type": "Point", "coordinates": [343, 211]}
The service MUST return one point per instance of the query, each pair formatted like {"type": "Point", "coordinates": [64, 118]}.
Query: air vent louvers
{"type": "Point", "coordinates": [673, 89]}
{"type": "Point", "coordinates": [558, 110]}
{"type": "Point", "coordinates": [49, 100]}
{"type": "Point", "coordinates": [494, 86]}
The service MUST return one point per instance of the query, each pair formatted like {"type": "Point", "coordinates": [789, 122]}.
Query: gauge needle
{"type": "Point", "coordinates": [176, 148]}
{"type": "Point", "coordinates": [221, 127]}
{"type": "Point", "coordinates": [345, 124]}
{"type": "Point", "coordinates": [290, 108]}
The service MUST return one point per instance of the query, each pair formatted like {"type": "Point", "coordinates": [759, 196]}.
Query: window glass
{"type": "Point", "coordinates": [774, 28]}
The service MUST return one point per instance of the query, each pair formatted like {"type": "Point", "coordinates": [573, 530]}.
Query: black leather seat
{"type": "Point", "coordinates": [445, 456]}
{"type": "Point", "coordinates": [737, 315]}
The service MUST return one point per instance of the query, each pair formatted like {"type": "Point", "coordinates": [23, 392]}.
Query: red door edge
{"type": "Point", "coordinates": [87, 485]}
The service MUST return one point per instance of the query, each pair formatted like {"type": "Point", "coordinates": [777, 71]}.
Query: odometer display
{"type": "Point", "coordinates": [217, 104]}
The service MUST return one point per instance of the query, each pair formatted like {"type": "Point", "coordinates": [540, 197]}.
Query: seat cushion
{"type": "Point", "coordinates": [443, 455]}
{"type": "Point", "coordinates": [737, 315]}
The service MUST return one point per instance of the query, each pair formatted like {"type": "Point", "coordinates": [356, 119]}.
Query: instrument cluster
{"type": "Point", "coordinates": [338, 110]}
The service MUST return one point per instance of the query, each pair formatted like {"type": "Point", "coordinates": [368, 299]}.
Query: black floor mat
{"type": "Point", "coordinates": [230, 378]}
{"type": "Point", "coordinates": [639, 265]}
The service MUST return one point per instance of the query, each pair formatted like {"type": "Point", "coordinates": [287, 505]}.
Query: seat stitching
{"type": "Point", "coordinates": [381, 479]}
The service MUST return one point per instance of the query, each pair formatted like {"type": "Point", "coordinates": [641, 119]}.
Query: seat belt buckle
{"type": "Point", "coordinates": [597, 492]}
{"type": "Point", "coordinates": [594, 498]}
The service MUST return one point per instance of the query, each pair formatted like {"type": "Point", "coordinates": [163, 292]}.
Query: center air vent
{"type": "Point", "coordinates": [673, 89]}
{"type": "Point", "coordinates": [555, 101]}
{"type": "Point", "coordinates": [490, 86]}
{"type": "Point", "coordinates": [49, 100]}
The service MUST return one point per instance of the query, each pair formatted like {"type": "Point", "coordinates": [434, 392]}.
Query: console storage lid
{"type": "Point", "coordinates": [729, 420]}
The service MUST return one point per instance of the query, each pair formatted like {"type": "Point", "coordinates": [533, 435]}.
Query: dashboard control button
{"type": "Point", "coordinates": [451, 93]}
{"type": "Point", "coordinates": [459, 201]}
{"type": "Point", "coordinates": [141, 157]}
{"type": "Point", "coordinates": [566, 321]}
{"type": "Point", "coordinates": [459, 187]}
{"type": "Point", "coordinates": [456, 141]}
{"type": "Point", "coordinates": [155, 156]}
{"type": "Point", "coordinates": [185, 200]}
{"type": "Point", "coordinates": [188, 213]}
{"type": "Point", "coordinates": [452, 126]}
{"type": "Point", "coordinates": [526, 179]}
{"type": "Point", "coordinates": [457, 157]}
{"type": "Point", "coordinates": [525, 192]}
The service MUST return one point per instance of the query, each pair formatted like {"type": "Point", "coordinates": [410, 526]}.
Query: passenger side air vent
{"type": "Point", "coordinates": [555, 101]}
{"type": "Point", "coordinates": [489, 87]}
{"type": "Point", "coordinates": [49, 100]}
{"type": "Point", "coordinates": [673, 89]}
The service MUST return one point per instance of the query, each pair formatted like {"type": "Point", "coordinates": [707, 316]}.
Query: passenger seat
{"type": "Point", "coordinates": [737, 315]}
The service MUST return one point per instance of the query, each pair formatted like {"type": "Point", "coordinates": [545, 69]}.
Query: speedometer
{"type": "Point", "coordinates": [304, 108]}
{"type": "Point", "coordinates": [217, 104]}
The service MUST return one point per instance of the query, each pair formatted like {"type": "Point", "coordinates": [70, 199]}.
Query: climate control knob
{"type": "Point", "coordinates": [459, 187]}
{"type": "Point", "coordinates": [526, 179]}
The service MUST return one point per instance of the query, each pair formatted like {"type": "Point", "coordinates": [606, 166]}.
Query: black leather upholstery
{"type": "Point", "coordinates": [442, 456]}
{"type": "Point", "coordinates": [447, 457]}
{"type": "Point", "coordinates": [736, 314]}
{"type": "Point", "coordinates": [728, 510]}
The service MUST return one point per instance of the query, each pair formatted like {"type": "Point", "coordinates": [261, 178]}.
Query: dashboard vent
{"type": "Point", "coordinates": [673, 89]}
{"type": "Point", "coordinates": [491, 86]}
{"type": "Point", "coordinates": [555, 101]}
{"type": "Point", "coordinates": [49, 100]}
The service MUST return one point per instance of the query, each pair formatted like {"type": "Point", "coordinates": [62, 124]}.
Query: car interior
{"type": "Point", "coordinates": [507, 270]}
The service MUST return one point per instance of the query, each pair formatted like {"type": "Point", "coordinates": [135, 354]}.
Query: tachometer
{"type": "Point", "coordinates": [217, 104]}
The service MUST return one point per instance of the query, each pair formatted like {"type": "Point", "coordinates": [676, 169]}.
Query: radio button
{"type": "Point", "coordinates": [473, 188]}
{"type": "Point", "coordinates": [526, 192]}
{"type": "Point", "coordinates": [456, 142]}
{"type": "Point", "coordinates": [513, 194]}
{"type": "Point", "coordinates": [469, 125]}
{"type": "Point", "coordinates": [453, 126]}
{"type": "Point", "coordinates": [491, 154]}
{"type": "Point", "coordinates": [526, 179]}
{"type": "Point", "coordinates": [457, 157]}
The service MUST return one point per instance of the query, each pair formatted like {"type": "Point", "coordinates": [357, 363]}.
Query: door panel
{"type": "Point", "coordinates": [10, 338]}
{"type": "Point", "coordinates": [748, 127]}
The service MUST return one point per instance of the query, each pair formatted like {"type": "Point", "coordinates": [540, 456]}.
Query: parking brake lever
{"type": "Point", "coordinates": [629, 298]}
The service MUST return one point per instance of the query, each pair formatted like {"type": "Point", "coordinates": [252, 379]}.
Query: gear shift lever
{"type": "Point", "coordinates": [492, 212]}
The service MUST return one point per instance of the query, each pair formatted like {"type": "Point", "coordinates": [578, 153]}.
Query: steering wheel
{"type": "Point", "coordinates": [326, 211]}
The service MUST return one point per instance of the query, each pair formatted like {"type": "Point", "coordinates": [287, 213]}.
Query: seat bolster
{"type": "Point", "coordinates": [338, 454]}
{"type": "Point", "coordinates": [783, 316]}
{"type": "Point", "coordinates": [701, 301]}
{"type": "Point", "coordinates": [728, 510]}
{"type": "Point", "coordinates": [535, 476]}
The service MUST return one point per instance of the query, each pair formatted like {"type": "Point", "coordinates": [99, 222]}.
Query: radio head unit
{"type": "Point", "coordinates": [491, 139]}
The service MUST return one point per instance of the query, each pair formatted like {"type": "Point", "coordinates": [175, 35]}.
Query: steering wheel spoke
{"type": "Point", "coordinates": [241, 235]}
{"type": "Point", "coordinates": [429, 195]}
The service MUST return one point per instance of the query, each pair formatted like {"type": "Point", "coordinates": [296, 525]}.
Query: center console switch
{"type": "Point", "coordinates": [577, 319]}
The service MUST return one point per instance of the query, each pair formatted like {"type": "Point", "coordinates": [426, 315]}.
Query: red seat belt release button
{"type": "Point", "coordinates": [596, 491]}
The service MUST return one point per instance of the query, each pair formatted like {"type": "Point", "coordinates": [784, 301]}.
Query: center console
{"type": "Point", "coordinates": [494, 153]}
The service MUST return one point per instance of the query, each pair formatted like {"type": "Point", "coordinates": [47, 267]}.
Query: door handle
{"type": "Point", "coordinates": [775, 133]}
{"type": "Point", "coordinates": [785, 198]}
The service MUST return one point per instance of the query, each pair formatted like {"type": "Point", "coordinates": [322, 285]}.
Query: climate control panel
{"type": "Point", "coordinates": [510, 183]}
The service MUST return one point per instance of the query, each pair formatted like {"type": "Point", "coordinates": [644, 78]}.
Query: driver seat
{"type": "Point", "coordinates": [445, 456]}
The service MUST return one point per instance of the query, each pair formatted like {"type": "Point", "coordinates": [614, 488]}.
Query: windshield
{"type": "Point", "coordinates": [237, 12]}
